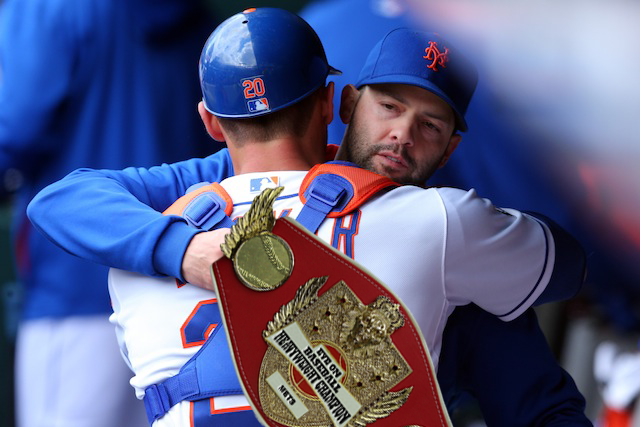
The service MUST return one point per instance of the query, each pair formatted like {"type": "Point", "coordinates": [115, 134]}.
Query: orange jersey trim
{"type": "Point", "coordinates": [177, 208]}
{"type": "Point", "coordinates": [207, 332]}
{"type": "Point", "coordinates": [331, 152]}
{"type": "Point", "coordinates": [227, 410]}
{"type": "Point", "coordinates": [365, 184]}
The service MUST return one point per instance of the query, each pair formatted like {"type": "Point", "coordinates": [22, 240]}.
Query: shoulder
{"type": "Point", "coordinates": [213, 168]}
{"type": "Point", "coordinates": [419, 197]}
{"type": "Point", "coordinates": [469, 206]}
{"type": "Point", "coordinates": [221, 157]}
{"type": "Point", "coordinates": [453, 203]}
{"type": "Point", "coordinates": [456, 196]}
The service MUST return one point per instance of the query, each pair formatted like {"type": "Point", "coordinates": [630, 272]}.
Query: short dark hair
{"type": "Point", "coordinates": [292, 120]}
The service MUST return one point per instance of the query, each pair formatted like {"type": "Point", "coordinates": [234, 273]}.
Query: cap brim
{"type": "Point", "coordinates": [420, 82]}
{"type": "Point", "coordinates": [334, 71]}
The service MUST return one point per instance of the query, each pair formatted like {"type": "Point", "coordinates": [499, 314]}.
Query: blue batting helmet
{"type": "Point", "coordinates": [260, 61]}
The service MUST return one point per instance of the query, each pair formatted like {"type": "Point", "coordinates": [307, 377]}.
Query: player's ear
{"type": "Point", "coordinates": [348, 102]}
{"type": "Point", "coordinates": [453, 144]}
{"type": "Point", "coordinates": [211, 123]}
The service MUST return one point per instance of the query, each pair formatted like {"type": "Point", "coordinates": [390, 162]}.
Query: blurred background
{"type": "Point", "coordinates": [555, 133]}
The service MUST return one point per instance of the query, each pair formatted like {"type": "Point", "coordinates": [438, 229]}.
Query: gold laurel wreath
{"type": "Point", "coordinates": [258, 219]}
{"type": "Point", "coordinates": [305, 295]}
{"type": "Point", "coordinates": [388, 403]}
{"type": "Point", "coordinates": [273, 257]}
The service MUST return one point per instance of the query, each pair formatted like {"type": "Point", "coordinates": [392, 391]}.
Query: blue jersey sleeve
{"type": "Point", "coordinates": [115, 218]}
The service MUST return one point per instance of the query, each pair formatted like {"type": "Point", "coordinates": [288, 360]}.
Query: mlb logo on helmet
{"type": "Point", "coordinates": [257, 105]}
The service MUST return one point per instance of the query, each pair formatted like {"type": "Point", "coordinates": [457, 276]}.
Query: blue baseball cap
{"type": "Point", "coordinates": [425, 60]}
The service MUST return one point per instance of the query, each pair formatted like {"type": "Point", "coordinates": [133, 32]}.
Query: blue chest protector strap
{"type": "Point", "coordinates": [335, 189]}
{"type": "Point", "coordinates": [206, 206]}
{"type": "Point", "coordinates": [208, 373]}
{"type": "Point", "coordinates": [325, 194]}
{"type": "Point", "coordinates": [329, 190]}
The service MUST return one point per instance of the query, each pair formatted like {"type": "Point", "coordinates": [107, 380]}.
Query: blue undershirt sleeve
{"type": "Point", "coordinates": [509, 369]}
{"type": "Point", "coordinates": [570, 266]}
{"type": "Point", "coordinates": [115, 218]}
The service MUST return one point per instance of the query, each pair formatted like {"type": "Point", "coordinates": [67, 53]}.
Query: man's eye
{"type": "Point", "coordinates": [430, 125]}
{"type": "Point", "coordinates": [388, 106]}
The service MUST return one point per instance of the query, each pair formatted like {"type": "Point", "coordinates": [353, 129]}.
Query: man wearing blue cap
{"type": "Point", "coordinates": [432, 235]}
{"type": "Point", "coordinates": [401, 62]}
{"type": "Point", "coordinates": [480, 355]}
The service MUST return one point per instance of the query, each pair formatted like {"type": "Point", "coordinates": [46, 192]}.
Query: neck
{"type": "Point", "coordinates": [342, 152]}
{"type": "Point", "coordinates": [275, 155]}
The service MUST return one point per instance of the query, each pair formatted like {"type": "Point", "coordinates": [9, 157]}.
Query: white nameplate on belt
{"type": "Point", "coordinates": [287, 395]}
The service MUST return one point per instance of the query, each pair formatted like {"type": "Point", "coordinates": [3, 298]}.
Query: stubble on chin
{"type": "Point", "coordinates": [363, 155]}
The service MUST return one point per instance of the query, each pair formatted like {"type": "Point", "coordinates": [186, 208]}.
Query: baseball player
{"type": "Point", "coordinates": [436, 248]}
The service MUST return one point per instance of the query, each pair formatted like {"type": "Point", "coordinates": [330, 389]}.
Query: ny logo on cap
{"type": "Point", "coordinates": [436, 57]}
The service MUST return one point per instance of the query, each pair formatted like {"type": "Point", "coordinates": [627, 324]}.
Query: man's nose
{"type": "Point", "coordinates": [401, 132]}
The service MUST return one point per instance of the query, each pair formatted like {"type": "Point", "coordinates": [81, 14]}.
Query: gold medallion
{"type": "Point", "coordinates": [262, 261]}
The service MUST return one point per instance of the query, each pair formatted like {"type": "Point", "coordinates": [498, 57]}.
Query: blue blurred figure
{"type": "Point", "coordinates": [100, 84]}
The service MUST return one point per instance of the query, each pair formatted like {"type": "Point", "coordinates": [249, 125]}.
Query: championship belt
{"type": "Point", "coordinates": [315, 339]}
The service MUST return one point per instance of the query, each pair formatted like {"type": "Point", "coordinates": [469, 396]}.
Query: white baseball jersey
{"type": "Point", "coordinates": [434, 248]}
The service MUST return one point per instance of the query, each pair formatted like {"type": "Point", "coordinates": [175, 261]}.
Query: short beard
{"type": "Point", "coordinates": [359, 153]}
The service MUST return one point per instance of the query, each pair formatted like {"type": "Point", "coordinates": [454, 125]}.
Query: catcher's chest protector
{"type": "Point", "coordinates": [331, 190]}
